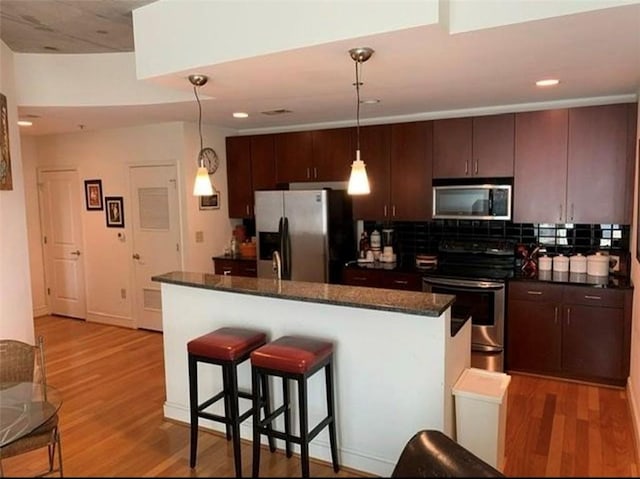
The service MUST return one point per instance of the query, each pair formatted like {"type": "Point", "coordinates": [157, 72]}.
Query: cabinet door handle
{"type": "Point", "coordinates": [475, 168]}
{"type": "Point", "coordinates": [571, 211]}
{"type": "Point", "coordinates": [250, 270]}
{"type": "Point", "coordinates": [393, 211]}
{"type": "Point", "coordinates": [308, 173]}
{"type": "Point", "coordinates": [315, 172]}
{"type": "Point", "coordinates": [555, 315]}
{"type": "Point", "coordinates": [247, 207]}
{"type": "Point", "coordinates": [466, 167]}
{"type": "Point", "coordinates": [226, 271]}
{"type": "Point", "coordinates": [385, 211]}
{"type": "Point", "coordinates": [568, 316]}
{"type": "Point", "coordinates": [359, 278]}
{"type": "Point", "coordinates": [535, 293]}
{"type": "Point", "coordinates": [400, 281]}
{"type": "Point", "coordinates": [590, 296]}
{"type": "Point", "coordinates": [560, 213]}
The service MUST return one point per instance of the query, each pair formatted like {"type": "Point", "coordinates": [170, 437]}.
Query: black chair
{"type": "Point", "coordinates": [433, 454]}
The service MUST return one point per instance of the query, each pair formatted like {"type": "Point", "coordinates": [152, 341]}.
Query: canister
{"type": "Point", "coordinates": [598, 264]}
{"type": "Point", "coordinates": [544, 263]}
{"type": "Point", "coordinates": [578, 263]}
{"type": "Point", "coordinates": [561, 263]}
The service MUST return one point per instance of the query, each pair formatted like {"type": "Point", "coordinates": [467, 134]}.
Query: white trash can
{"type": "Point", "coordinates": [481, 413]}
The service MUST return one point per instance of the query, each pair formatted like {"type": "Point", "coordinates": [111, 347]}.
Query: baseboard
{"type": "Point", "coordinates": [110, 320]}
{"type": "Point", "coordinates": [40, 311]}
{"type": "Point", "coordinates": [635, 415]}
{"type": "Point", "coordinates": [318, 448]}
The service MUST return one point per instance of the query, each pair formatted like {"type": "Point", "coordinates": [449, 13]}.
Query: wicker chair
{"type": "Point", "coordinates": [20, 362]}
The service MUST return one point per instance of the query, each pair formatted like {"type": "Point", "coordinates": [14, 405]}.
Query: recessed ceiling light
{"type": "Point", "coordinates": [25, 123]}
{"type": "Point", "coordinates": [240, 114]}
{"type": "Point", "coordinates": [548, 82]}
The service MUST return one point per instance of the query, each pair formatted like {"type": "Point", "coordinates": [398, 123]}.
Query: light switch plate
{"type": "Point", "coordinates": [199, 236]}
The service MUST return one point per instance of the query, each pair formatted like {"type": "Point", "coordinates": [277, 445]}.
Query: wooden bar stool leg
{"type": "Point", "coordinates": [226, 386]}
{"type": "Point", "coordinates": [304, 427]}
{"type": "Point", "coordinates": [233, 418]}
{"type": "Point", "coordinates": [193, 408]}
{"type": "Point", "coordinates": [267, 410]}
{"type": "Point", "coordinates": [257, 404]}
{"type": "Point", "coordinates": [287, 415]}
{"type": "Point", "coordinates": [328, 373]}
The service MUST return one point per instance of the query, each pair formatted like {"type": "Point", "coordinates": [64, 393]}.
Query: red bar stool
{"type": "Point", "coordinates": [226, 347]}
{"type": "Point", "coordinates": [292, 358]}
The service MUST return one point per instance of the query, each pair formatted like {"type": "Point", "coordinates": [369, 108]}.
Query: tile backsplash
{"type": "Point", "coordinates": [413, 238]}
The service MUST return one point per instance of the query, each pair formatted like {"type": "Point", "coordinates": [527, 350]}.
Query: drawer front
{"type": "Point", "coordinates": [360, 277]}
{"type": "Point", "coordinates": [248, 269]}
{"type": "Point", "coordinates": [609, 298]}
{"type": "Point", "coordinates": [534, 291]}
{"type": "Point", "coordinates": [409, 282]}
{"type": "Point", "coordinates": [223, 266]}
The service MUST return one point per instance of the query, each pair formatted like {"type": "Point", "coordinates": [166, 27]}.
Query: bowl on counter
{"type": "Point", "coordinates": [248, 250]}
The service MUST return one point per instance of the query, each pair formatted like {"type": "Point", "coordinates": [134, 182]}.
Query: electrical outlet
{"type": "Point", "coordinates": [123, 293]}
{"type": "Point", "coordinates": [199, 236]}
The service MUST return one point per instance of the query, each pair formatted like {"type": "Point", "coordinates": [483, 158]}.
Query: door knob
{"type": "Point", "coordinates": [76, 253]}
{"type": "Point", "coordinates": [136, 256]}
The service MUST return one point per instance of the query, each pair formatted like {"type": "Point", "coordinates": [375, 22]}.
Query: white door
{"type": "Point", "coordinates": [60, 205]}
{"type": "Point", "coordinates": [156, 237]}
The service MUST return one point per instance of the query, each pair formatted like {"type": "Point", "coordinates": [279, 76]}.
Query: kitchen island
{"type": "Point", "coordinates": [395, 357]}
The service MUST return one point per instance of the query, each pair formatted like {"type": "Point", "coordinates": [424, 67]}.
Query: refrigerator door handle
{"type": "Point", "coordinates": [286, 252]}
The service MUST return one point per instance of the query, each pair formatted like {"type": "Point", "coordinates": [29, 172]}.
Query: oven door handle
{"type": "Point", "coordinates": [461, 285]}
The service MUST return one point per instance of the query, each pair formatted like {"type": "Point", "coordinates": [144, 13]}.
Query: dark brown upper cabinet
{"type": "Point", "coordinates": [575, 165]}
{"type": "Point", "coordinates": [398, 162]}
{"type": "Point", "coordinates": [319, 155]}
{"type": "Point", "coordinates": [375, 143]}
{"type": "Point", "coordinates": [333, 153]}
{"type": "Point", "coordinates": [600, 163]}
{"type": "Point", "coordinates": [540, 177]}
{"type": "Point", "coordinates": [480, 147]}
{"type": "Point", "coordinates": [293, 156]}
{"type": "Point", "coordinates": [250, 167]}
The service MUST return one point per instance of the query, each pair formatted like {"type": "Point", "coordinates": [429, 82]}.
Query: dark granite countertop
{"type": "Point", "coordinates": [578, 279]}
{"type": "Point", "coordinates": [408, 302]}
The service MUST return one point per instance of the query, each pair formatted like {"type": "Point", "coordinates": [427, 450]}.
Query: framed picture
{"type": "Point", "coordinates": [210, 202]}
{"type": "Point", "coordinates": [6, 181]}
{"type": "Point", "coordinates": [114, 211]}
{"type": "Point", "coordinates": [93, 194]}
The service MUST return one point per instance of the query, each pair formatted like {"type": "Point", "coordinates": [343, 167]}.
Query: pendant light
{"type": "Point", "coordinates": [358, 181]}
{"type": "Point", "coordinates": [202, 186]}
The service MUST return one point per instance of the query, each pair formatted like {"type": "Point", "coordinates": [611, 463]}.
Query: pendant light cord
{"type": "Point", "coordinates": [358, 66]}
{"type": "Point", "coordinates": [195, 91]}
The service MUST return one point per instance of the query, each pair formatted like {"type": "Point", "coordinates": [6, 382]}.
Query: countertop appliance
{"type": "Point", "coordinates": [463, 199]}
{"type": "Point", "coordinates": [303, 235]}
{"type": "Point", "coordinates": [476, 273]}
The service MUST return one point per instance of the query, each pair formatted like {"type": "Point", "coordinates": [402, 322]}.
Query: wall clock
{"type": "Point", "coordinates": [209, 158]}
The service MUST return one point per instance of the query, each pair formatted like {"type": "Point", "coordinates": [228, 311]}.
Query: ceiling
{"type": "Point", "coordinates": [416, 73]}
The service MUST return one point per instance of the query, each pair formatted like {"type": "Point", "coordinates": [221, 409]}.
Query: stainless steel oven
{"type": "Point", "coordinates": [475, 272]}
{"type": "Point", "coordinates": [485, 302]}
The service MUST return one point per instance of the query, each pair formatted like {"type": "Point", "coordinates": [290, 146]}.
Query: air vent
{"type": "Point", "coordinates": [280, 111]}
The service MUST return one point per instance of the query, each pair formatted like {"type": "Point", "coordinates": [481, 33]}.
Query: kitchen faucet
{"type": "Point", "coordinates": [277, 264]}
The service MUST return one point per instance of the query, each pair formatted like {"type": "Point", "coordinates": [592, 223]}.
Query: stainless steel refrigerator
{"type": "Point", "coordinates": [309, 234]}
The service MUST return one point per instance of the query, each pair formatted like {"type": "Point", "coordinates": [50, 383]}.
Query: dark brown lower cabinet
{"type": "Point", "coordinates": [574, 332]}
{"type": "Point", "coordinates": [380, 278]}
{"type": "Point", "coordinates": [235, 266]}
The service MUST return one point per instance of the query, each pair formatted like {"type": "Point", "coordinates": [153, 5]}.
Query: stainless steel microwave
{"type": "Point", "coordinates": [486, 201]}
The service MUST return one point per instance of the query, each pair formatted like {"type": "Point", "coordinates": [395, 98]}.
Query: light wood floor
{"type": "Point", "coordinates": [112, 381]}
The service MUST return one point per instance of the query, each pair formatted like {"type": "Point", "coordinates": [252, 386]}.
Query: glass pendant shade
{"type": "Point", "coordinates": [202, 185]}
{"type": "Point", "coordinates": [358, 181]}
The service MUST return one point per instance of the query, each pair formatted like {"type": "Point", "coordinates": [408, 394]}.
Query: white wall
{"type": "Point", "coordinates": [15, 288]}
{"type": "Point", "coordinates": [107, 155]}
{"type": "Point", "coordinates": [634, 379]}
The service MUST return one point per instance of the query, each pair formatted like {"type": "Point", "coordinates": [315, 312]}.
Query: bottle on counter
{"type": "Point", "coordinates": [376, 241]}
{"type": "Point", "coordinates": [364, 245]}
